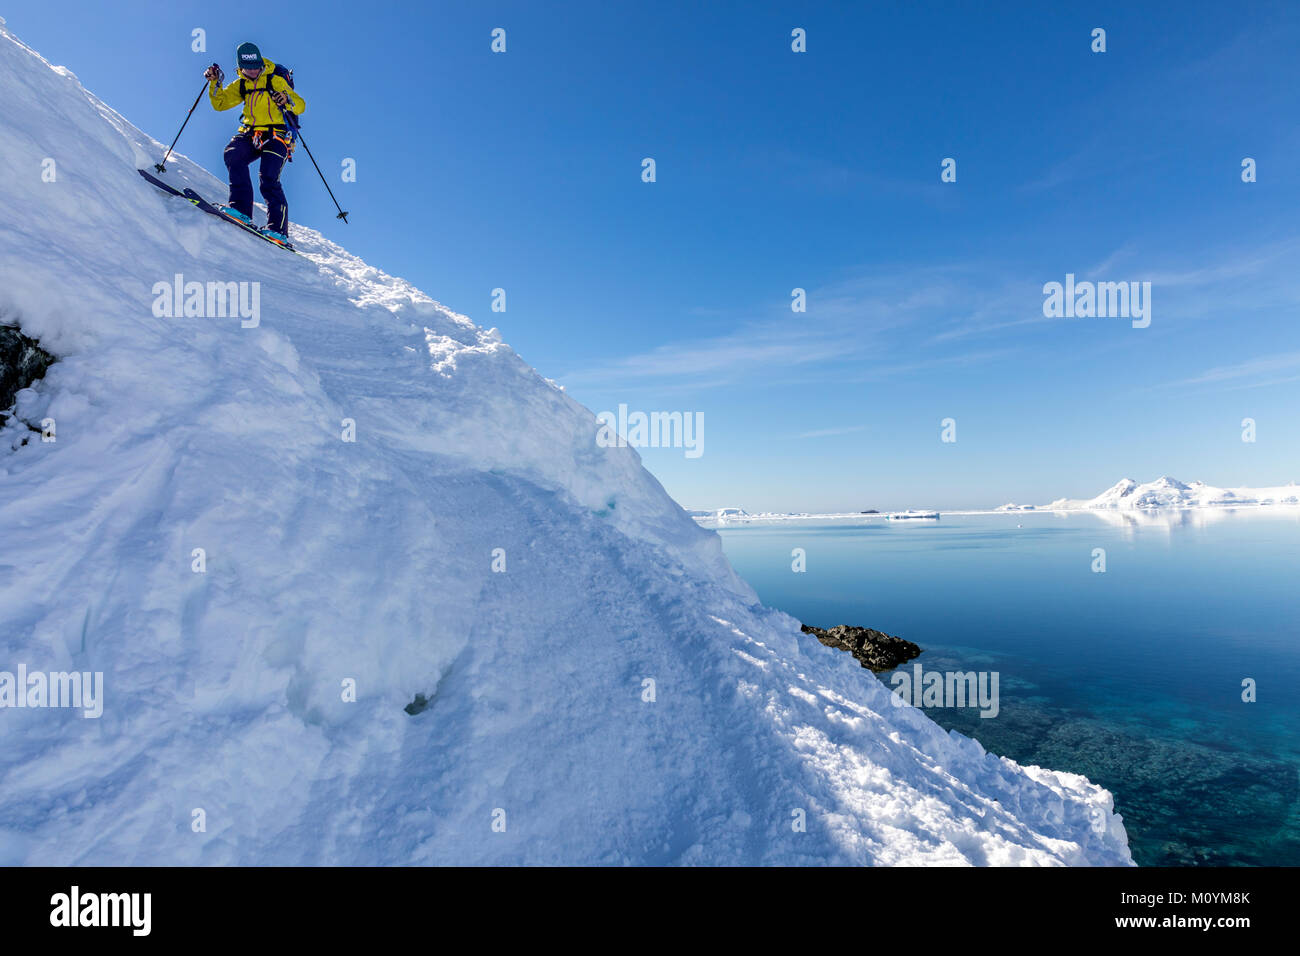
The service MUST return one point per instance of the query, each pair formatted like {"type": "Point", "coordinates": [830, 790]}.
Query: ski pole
{"type": "Point", "coordinates": [298, 132]}
{"type": "Point", "coordinates": [162, 167]}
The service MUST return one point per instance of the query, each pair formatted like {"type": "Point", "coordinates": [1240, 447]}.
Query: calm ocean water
{"type": "Point", "coordinates": [1132, 677]}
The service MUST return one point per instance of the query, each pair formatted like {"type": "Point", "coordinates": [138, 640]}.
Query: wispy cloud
{"type": "Point", "coordinates": [869, 321]}
{"type": "Point", "coordinates": [827, 432]}
{"type": "Point", "coordinates": [810, 171]}
{"type": "Point", "coordinates": [1104, 269]}
{"type": "Point", "coordinates": [1255, 262]}
{"type": "Point", "coordinates": [892, 321]}
{"type": "Point", "coordinates": [720, 359]}
{"type": "Point", "coordinates": [1076, 166]}
{"type": "Point", "coordinates": [1263, 371]}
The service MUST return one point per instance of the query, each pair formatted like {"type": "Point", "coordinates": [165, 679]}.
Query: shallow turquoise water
{"type": "Point", "coordinates": [1132, 677]}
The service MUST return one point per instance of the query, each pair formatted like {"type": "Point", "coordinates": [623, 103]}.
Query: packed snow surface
{"type": "Point", "coordinates": [201, 534]}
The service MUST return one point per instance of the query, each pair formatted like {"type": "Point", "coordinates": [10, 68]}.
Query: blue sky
{"type": "Point", "coordinates": [819, 170]}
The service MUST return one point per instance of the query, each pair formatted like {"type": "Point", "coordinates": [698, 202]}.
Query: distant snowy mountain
{"type": "Point", "coordinates": [1166, 492]}
{"type": "Point", "coordinates": [720, 513]}
{"type": "Point", "coordinates": [363, 588]}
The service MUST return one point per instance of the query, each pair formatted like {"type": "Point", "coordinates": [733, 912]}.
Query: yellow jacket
{"type": "Point", "coordinates": [259, 108]}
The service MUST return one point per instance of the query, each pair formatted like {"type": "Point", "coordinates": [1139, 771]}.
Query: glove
{"type": "Point", "coordinates": [281, 98]}
{"type": "Point", "coordinates": [214, 73]}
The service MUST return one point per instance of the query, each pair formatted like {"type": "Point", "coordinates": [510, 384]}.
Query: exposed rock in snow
{"type": "Point", "coordinates": [874, 650]}
{"type": "Point", "coordinates": [22, 362]}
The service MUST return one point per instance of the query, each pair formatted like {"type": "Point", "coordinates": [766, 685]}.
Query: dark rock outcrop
{"type": "Point", "coordinates": [22, 362]}
{"type": "Point", "coordinates": [874, 650]}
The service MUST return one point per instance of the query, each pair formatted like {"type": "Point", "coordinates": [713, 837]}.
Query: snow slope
{"type": "Point", "coordinates": [1166, 492]}
{"type": "Point", "coordinates": [371, 561]}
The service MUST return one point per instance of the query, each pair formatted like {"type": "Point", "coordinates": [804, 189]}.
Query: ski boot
{"type": "Point", "coordinates": [279, 238]}
{"type": "Point", "coordinates": [235, 214]}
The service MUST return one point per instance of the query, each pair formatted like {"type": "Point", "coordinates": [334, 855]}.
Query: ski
{"type": "Point", "coordinates": [220, 212]}
{"type": "Point", "coordinates": [160, 184]}
{"type": "Point", "coordinates": [212, 209]}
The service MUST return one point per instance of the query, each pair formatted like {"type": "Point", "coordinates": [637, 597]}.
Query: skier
{"type": "Point", "coordinates": [267, 97]}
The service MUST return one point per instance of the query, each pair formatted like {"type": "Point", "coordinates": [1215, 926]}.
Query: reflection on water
{"type": "Point", "coordinates": [1172, 520]}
